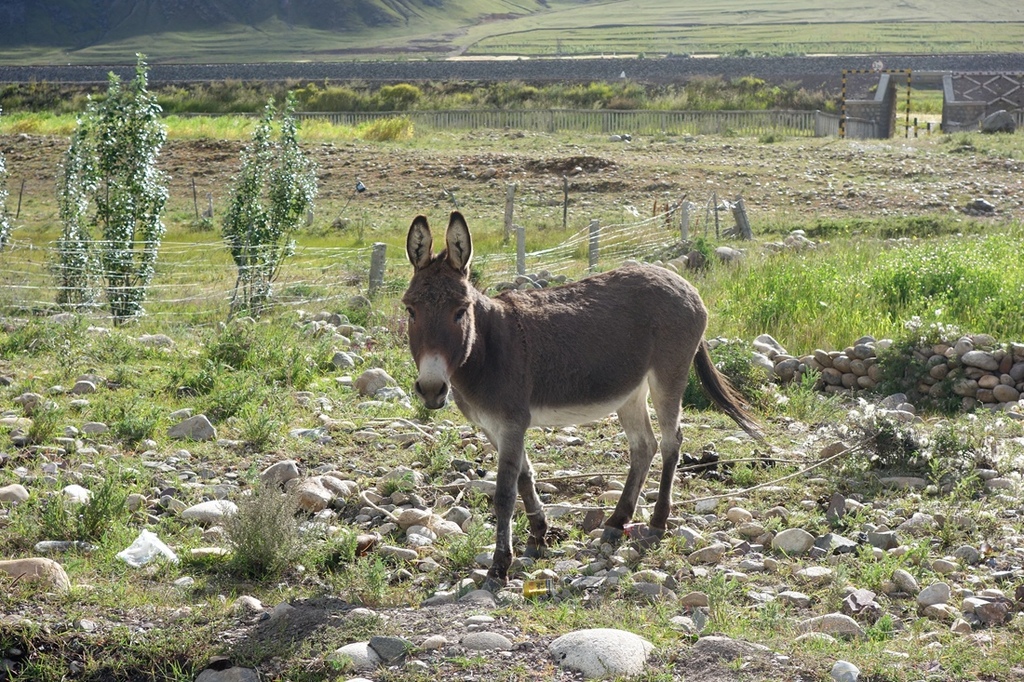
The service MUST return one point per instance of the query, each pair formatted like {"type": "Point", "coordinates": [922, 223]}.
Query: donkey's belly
{"type": "Point", "coordinates": [566, 415]}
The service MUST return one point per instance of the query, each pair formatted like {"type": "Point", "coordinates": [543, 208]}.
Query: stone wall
{"type": "Point", "coordinates": [977, 370]}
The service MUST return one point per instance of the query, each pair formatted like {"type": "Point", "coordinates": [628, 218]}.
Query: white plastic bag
{"type": "Point", "coordinates": [146, 548]}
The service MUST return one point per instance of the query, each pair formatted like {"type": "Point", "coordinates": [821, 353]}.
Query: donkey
{"type": "Point", "coordinates": [554, 357]}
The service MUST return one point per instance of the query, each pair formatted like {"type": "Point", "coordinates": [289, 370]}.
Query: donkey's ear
{"type": "Point", "coordinates": [460, 244]}
{"type": "Point", "coordinates": [419, 243]}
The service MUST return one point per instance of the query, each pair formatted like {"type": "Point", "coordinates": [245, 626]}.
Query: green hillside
{"type": "Point", "coordinates": [105, 31]}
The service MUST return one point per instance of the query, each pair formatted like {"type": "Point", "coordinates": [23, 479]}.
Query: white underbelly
{"type": "Point", "coordinates": [568, 415]}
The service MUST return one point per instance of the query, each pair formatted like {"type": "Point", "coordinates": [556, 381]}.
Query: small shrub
{"type": "Point", "coordinates": [259, 426]}
{"type": "Point", "coordinates": [263, 534]}
{"type": "Point", "coordinates": [387, 130]}
{"type": "Point", "coordinates": [46, 420]}
{"type": "Point", "coordinates": [136, 420]}
{"type": "Point", "coordinates": [89, 522]}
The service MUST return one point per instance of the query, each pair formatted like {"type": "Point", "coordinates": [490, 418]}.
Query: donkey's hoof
{"type": "Point", "coordinates": [493, 584]}
{"type": "Point", "coordinates": [612, 536]}
{"type": "Point", "coordinates": [535, 551]}
{"type": "Point", "coordinates": [651, 537]}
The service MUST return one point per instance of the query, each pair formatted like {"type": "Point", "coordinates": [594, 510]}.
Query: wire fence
{"type": "Point", "coordinates": [194, 281]}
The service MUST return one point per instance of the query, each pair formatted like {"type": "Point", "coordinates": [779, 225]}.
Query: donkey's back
{"type": "Point", "coordinates": [593, 342]}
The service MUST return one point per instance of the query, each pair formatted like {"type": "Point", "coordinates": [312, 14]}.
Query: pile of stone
{"type": "Point", "coordinates": [539, 280]}
{"type": "Point", "coordinates": [975, 368]}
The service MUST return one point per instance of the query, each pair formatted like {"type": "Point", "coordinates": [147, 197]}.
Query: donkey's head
{"type": "Point", "coordinates": [439, 301]}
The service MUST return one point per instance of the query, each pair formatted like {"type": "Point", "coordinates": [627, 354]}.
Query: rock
{"type": "Point", "coordinates": [83, 388]}
{"type": "Point", "coordinates": [726, 648]}
{"type": "Point", "coordinates": [793, 541]}
{"type": "Point", "coordinates": [313, 496]}
{"type": "Point", "coordinates": [279, 473]}
{"type": "Point", "coordinates": [373, 380]}
{"type": "Point", "coordinates": [355, 656]}
{"type": "Point", "coordinates": [857, 601]}
{"type": "Point", "coordinates": [905, 582]}
{"type": "Point", "coordinates": [792, 598]}
{"type": "Point", "coordinates": [233, 674]}
{"type": "Point", "coordinates": [391, 650]}
{"type": "Point", "coordinates": [46, 571]}
{"type": "Point", "coordinates": [727, 254]}
{"type": "Point", "coordinates": [1000, 121]}
{"type": "Point", "coordinates": [694, 600]}
{"type": "Point", "coordinates": [602, 653]}
{"type": "Point", "coordinates": [193, 428]}
{"type": "Point", "coordinates": [156, 341]}
{"type": "Point", "coordinates": [815, 575]}
{"type": "Point", "coordinates": [967, 554]}
{"type": "Point", "coordinates": [94, 428]}
{"type": "Point", "coordinates": [738, 515]}
{"type": "Point", "coordinates": [992, 613]}
{"type": "Point", "coordinates": [76, 494]}
{"type": "Point", "coordinates": [980, 359]}
{"type": "Point", "coordinates": [13, 493]}
{"type": "Point", "coordinates": [883, 540]}
{"type": "Point", "coordinates": [766, 343]}
{"type": "Point", "coordinates": [487, 641]}
{"type": "Point", "coordinates": [711, 554]}
{"type": "Point", "coordinates": [210, 513]}
{"type": "Point", "coordinates": [843, 671]}
{"type": "Point", "coordinates": [832, 624]}
{"type": "Point", "coordinates": [937, 593]}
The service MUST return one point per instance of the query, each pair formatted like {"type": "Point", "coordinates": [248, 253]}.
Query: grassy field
{"type": "Point", "coordinates": [652, 27]}
{"type": "Point", "coordinates": [890, 244]}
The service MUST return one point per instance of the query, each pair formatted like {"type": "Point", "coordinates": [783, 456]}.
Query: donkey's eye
{"type": "Point", "coordinates": [460, 314]}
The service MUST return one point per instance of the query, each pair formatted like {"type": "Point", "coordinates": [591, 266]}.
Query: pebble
{"type": "Point", "coordinates": [793, 541]}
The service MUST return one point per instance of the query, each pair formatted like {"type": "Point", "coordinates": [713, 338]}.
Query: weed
{"type": "Point", "coordinates": [263, 534]}
{"type": "Point", "coordinates": [90, 521]}
{"type": "Point", "coordinates": [46, 420]}
{"type": "Point", "coordinates": [387, 129]}
{"type": "Point", "coordinates": [259, 426]}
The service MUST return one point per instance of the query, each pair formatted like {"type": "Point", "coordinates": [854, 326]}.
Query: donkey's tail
{"type": "Point", "coordinates": [722, 393]}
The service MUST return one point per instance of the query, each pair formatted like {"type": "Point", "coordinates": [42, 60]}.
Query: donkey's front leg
{"type": "Point", "coordinates": [537, 543]}
{"type": "Point", "coordinates": [510, 463]}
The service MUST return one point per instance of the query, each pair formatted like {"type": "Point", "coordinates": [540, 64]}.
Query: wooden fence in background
{"type": "Point", "coordinates": [791, 123]}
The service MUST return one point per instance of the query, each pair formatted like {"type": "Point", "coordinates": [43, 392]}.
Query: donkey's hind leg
{"type": "Point", "coordinates": [537, 543]}
{"type": "Point", "coordinates": [636, 422]}
{"type": "Point", "coordinates": [667, 395]}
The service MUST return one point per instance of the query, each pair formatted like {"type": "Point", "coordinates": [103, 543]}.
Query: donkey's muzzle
{"type": "Point", "coordinates": [433, 394]}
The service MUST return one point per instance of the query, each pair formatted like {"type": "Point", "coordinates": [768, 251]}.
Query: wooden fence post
{"type": "Point", "coordinates": [739, 213]}
{"type": "Point", "coordinates": [21, 193]}
{"type": "Point", "coordinates": [595, 237]}
{"type": "Point", "coordinates": [377, 260]}
{"type": "Point", "coordinates": [510, 195]}
{"type": "Point", "coordinates": [684, 221]}
{"type": "Point", "coordinates": [565, 202]}
{"type": "Point", "coordinates": [195, 198]}
{"type": "Point", "coordinates": [714, 199]}
{"type": "Point", "coordinates": [520, 249]}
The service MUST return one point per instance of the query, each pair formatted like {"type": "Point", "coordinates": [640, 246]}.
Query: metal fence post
{"type": "Point", "coordinates": [377, 260]}
{"type": "Point", "coordinates": [595, 237]}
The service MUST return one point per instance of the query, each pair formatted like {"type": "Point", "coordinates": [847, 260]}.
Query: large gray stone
{"type": "Point", "coordinates": [602, 653]}
{"type": "Point", "coordinates": [193, 428]}
{"type": "Point", "coordinates": [44, 570]}
{"type": "Point", "coordinates": [793, 541]}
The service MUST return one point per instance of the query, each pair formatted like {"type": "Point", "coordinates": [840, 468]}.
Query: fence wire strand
{"type": "Point", "coordinates": [196, 280]}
